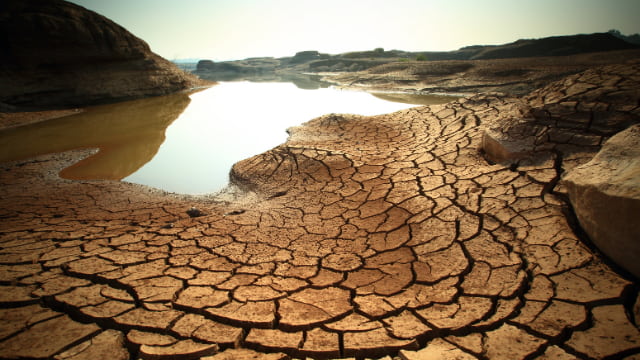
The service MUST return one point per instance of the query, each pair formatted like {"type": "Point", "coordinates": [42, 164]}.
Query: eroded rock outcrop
{"type": "Point", "coordinates": [605, 194]}
{"type": "Point", "coordinates": [513, 76]}
{"type": "Point", "coordinates": [54, 53]}
{"type": "Point", "coordinates": [570, 118]}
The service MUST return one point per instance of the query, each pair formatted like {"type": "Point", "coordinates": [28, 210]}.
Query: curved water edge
{"type": "Point", "coordinates": [415, 98]}
{"type": "Point", "coordinates": [237, 120]}
{"type": "Point", "coordinates": [187, 143]}
{"type": "Point", "coordinates": [127, 136]}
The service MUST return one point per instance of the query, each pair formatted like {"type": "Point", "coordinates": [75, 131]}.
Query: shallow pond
{"type": "Point", "coordinates": [188, 143]}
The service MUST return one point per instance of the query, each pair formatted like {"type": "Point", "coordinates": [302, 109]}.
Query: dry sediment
{"type": "Point", "coordinates": [375, 236]}
{"type": "Point", "coordinates": [513, 76]}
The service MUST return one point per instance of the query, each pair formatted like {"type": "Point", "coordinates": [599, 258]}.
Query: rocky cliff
{"type": "Point", "coordinates": [568, 122]}
{"type": "Point", "coordinates": [54, 53]}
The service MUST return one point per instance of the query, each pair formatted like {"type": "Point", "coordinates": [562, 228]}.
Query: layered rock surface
{"type": "Point", "coordinates": [377, 236]}
{"type": "Point", "coordinates": [605, 193]}
{"type": "Point", "coordinates": [55, 53]}
{"type": "Point", "coordinates": [513, 76]}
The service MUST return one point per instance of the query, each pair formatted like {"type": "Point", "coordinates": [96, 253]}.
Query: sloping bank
{"type": "Point", "coordinates": [55, 54]}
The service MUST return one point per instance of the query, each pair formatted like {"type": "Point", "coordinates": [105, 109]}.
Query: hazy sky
{"type": "Point", "coordinates": [237, 29]}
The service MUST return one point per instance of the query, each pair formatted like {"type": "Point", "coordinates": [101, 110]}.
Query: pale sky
{"type": "Point", "coordinates": [237, 29]}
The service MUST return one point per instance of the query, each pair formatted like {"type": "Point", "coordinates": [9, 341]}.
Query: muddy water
{"type": "Point", "coordinates": [188, 143]}
{"type": "Point", "coordinates": [127, 134]}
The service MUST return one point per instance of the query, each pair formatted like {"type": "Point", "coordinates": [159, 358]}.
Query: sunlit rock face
{"type": "Point", "coordinates": [605, 193]}
{"type": "Point", "coordinates": [54, 53]}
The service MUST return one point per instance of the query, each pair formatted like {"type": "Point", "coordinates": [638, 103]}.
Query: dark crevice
{"type": "Point", "coordinates": [573, 222]}
{"type": "Point", "coordinates": [557, 165]}
{"type": "Point", "coordinates": [96, 279]}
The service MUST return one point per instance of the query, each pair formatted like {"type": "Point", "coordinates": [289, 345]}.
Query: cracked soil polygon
{"type": "Point", "coordinates": [359, 237]}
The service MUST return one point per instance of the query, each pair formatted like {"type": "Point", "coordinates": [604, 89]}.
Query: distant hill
{"type": "Point", "coordinates": [633, 39]}
{"type": "Point", "coordinates": [314, 61]}
{"type": "Point", "coordinates": [555, 46]}
{"type": "Point", "coordinates": [549, 46]}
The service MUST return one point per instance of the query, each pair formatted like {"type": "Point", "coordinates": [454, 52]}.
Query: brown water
{"type": "Point", "coordinates": [127, 134]}
{"type": "Point", "coordinates": [188, 143]}
{"type": "Point", "coordinates": [414, 99]}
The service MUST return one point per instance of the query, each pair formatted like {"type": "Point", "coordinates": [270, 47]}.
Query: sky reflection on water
{"type": "Point", "coordinates": [187, 143]}
{"type": "Point", "coordinates": [127, 135]}
{"type": "Point", "coordinates": [236, 120]}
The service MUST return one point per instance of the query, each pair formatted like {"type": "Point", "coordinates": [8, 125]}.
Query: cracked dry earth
{"type": "Point", "coordinates": [365, 237]}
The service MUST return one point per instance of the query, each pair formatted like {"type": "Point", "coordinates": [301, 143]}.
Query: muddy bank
{"type": "Point", "coordinates": [515, 76]}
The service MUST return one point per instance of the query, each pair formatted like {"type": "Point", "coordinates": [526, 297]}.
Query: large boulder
{"type": "Point", "coordinates": [605, 194]}
{"type": "Point", "coordinates": [54, 53]}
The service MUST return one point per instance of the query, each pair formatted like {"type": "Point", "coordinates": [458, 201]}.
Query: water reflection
{"type": "Point", "coordinates": [127, 134]}
{"type": "Point", "coordinates": [236, 120]}
{"type": "Point", "coordinates": [302, 81]}
{"type": "Point", "coordinates": [416, 99]}
{"type": "Point", "coordinates": [206, 132]}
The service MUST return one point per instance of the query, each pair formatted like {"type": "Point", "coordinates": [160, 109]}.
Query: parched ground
{"type": "Point", "coordinates": [362, 237]}
{"type": "Point", "coordinates": [515, 76]}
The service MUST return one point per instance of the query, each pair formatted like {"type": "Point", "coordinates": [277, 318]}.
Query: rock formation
{"type": "Point", "coordinates": [566, 119]}
{"type": "Point", "coordinates": [512, 76]}
{"type": "Point", "coordinates": [54, 54]}
{"type": "Point", "coordinates": [306, 56]}
{"type": "Point", "coordinates": [605, 193]}
{"type": "Point", "coordinates": [570, 118]}
{"type": "Point", "coordinates": [516, 68]}
{"type": "Point", "coordinates": [363, 237]}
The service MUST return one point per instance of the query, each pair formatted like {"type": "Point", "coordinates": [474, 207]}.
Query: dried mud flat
{"type": "Point", "coordinates": [515, 76]}
{"type": "Point", "coordinates": [365, 237]}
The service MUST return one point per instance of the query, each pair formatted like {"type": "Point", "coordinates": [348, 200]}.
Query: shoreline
{"type": "Point", "coordinates": [16, 119]}
{"type": "Point", "coordinates": [470, 77]}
